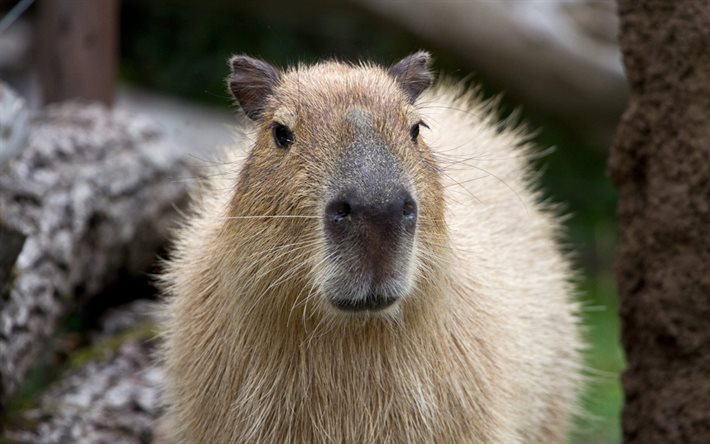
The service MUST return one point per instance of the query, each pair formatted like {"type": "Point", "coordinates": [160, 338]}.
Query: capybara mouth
{"type": "Point", "coordinates": [372, 302]}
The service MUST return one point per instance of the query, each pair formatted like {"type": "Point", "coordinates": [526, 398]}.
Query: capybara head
{"type": "Point", "coordinates": [340, 180]}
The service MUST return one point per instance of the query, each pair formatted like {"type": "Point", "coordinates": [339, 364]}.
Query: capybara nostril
{"type": "Point", "coordinates": [338, 212]}
{"type": "Point", "coordinates": [365, 212]}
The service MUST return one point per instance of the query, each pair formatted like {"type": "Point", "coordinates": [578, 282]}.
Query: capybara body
{"type": "Point", "coordinates": [374, 265]}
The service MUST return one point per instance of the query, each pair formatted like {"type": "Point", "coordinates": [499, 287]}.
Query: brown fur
{"type": "Point", "coordinates": [485, 348]}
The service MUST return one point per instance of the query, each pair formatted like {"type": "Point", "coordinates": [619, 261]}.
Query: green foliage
{"type": "Point", "coordinates": [109, 346]}
{"type": "Point", "coordinates": [182, 47]}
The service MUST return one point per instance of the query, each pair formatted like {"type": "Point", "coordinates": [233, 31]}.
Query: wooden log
{"type": "Point", "coordinates": [95, 193]}
{"type": "Point", "coordinates": [660, 163]}
{"type": "Point", "coordinates": [108, 394]}
{"type": "Point", "coordinates": [78, 49]}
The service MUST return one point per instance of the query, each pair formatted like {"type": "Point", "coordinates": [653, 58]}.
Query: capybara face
{"type": "Point", "coordinates": [340, 170]}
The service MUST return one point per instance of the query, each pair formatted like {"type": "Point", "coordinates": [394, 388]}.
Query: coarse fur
{"type": "Point", "coordinates": [485, 348]}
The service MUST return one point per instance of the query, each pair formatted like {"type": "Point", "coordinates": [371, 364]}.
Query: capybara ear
{"type": "Point", "coordinates": [412, 73]}
{"type": "Point", "coordinates": [251, 82]}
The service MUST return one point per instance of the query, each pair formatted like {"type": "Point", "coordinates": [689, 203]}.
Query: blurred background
{"type": "Point", "coordinates": [553, 64]}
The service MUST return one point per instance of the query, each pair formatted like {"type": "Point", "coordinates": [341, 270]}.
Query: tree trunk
{"type": "Point", "coordinates": [78, 49]}
{"type": "Point", "coordinates": [95, 193]}
{"type": "Point", "coordinates": [660, 163]}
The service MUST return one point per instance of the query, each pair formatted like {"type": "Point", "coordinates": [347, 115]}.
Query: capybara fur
{"type": "Point", "coordinates": [373, 263]}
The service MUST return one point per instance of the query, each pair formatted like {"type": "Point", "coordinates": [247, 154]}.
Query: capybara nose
{"type": "Point", "coordinates": [386, 216]}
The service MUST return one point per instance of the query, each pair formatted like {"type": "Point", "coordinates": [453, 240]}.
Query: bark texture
{"type": "Point", "coordinates": [109, 395]}
{"type": "Point", "coordinates": [95, 193]}
{"type": "Point", "coordinates": [660, 163]}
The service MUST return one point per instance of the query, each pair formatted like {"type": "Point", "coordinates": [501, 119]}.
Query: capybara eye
{"type": "Point", "coordinates": [283, 136]}
{"type": "Point", "coordinates": [414, 132]}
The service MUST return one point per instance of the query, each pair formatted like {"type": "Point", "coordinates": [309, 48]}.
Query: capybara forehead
{"type": "Point", "coordinates": [326, 91]}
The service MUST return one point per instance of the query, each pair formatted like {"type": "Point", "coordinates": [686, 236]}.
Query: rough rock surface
{"type": "Point", "coordinates": [661, 166]}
